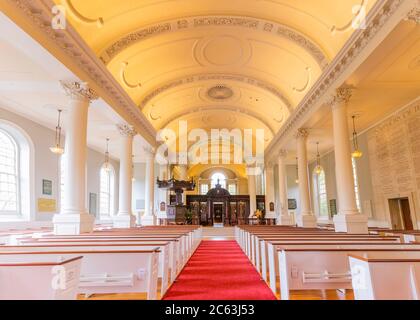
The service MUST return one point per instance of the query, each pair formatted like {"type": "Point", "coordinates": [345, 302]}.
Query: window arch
{"type": "Point", "coordinates": [106, 192]}
{"type": "Point", "coordinates": [320, 186]}
{"type": "Point", "coordinates": [218, 178]}
{"type": "Point", "coordinates": [9, 175]}
{"type": "Point", "coordinates": [17, 167]}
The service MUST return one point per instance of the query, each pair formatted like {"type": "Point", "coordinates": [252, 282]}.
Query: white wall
{"type": "Point", "coordinates": [47, 165]}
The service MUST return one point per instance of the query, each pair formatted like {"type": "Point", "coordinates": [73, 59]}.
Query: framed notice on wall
{"type": "Point", "coordinates": [333, 207]}
{"type": "Point", "coordinates": [292, 204]}
{"type": "Point", "coordinates": [93, 203]}
{"type": "Point", "coordinates": [46, 187]}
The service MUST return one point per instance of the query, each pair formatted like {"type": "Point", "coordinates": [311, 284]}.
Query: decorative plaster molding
{"type": "Point", "coordinates": [414, 14]}
{"type": "Point", "coordinates": [126, 130]}
{"type": "Point", "coordinates": [80, 91]}
{"type": "Point", "coordinates": [283, 153]}
{"type": "Point", "coordinates": [342, 95]}
{"type": "Point", "coordinates": [149, 151]}
{"type": "Point", "coordinates": [302, 133]}
{"type": "Point", "coordinates": [219, 77]}
{"type": "Point", "coordinates": [107, 54]}
{"type": "Point", "coordinates": [377, 18]}
{"type": "Point", "coordinates": [80, 59]}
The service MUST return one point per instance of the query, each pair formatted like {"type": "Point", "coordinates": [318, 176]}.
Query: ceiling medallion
{"type": "Point", "coordinates": [220, 92]}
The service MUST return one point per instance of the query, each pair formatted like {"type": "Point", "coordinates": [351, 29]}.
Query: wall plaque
{"type": "Point", "coordinates": [46, 205]}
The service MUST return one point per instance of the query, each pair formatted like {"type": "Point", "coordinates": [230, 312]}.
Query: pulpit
{"type": "Point", "coordinates": [176, 213]}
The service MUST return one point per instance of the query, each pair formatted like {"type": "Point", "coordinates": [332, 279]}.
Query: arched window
{"type": "Point", "coordinates": [218, 178]}
{"type": "Point", "coordinates": [9, 175]}
{"type": "Point", "coordinates": [321, 193]}
{"type": "Point", "coordinates": [356, 183]}
{"type": "Point", "coordinates": [17, 169]}
{"type": "Point", "coordinates": [106, 192]}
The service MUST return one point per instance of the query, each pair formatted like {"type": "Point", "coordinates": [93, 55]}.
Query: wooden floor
{"type": "Point", "coordinates": [295, 295]}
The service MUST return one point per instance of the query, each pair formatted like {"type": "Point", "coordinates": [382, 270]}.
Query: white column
{"type": "Point", "coordinates": [149, 217]}
{"type": "Point", "coordinates": [269, 191]}
{"type": "Point", "coordinates": [306, 218]}
{"type": "Point", "coordinates": [125, 217]}
{"type": "Point", "coordinates": [74, 218]}
{"type": "Point", "coordinates": [283, 218]}
{"type": "Point", "coordinates": [183, 175]}
{"type": "Point", "coordinates": [162, 193]}
{"type": "Point", "coordinates": [252, 195]}
{"type": "Point", "coordinates": [349, 218]}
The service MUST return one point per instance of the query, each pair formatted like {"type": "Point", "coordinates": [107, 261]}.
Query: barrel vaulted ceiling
{"type": "Point", "coordinates": [215, 63]}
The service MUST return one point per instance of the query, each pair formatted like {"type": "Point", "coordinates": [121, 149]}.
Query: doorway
{"type": "Point", "coordinates": [399, 210]}
{"type": "Point", "coordinates": [217, 213]}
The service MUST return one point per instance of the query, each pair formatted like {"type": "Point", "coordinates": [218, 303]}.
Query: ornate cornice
{"type": "Point", "coordinates": [126, 130]}
{"type": "Point", "coordinates": [80, 91]}
{"type": "Point", "coordinates": [266, 26]}
{"type": "Point", "coordinates": [377, 18]}
{"type": "Point", "coordinates": [78, 57]}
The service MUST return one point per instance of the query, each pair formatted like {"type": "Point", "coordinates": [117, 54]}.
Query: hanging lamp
{"type": "Point", "coordinates": [356, 151]}
{"type": "Point", "coordinates": [57, 148]}
{"type": "Point", "coordinates": [318, 168]}
{"type": "Point", "coordinates": [107, 166]}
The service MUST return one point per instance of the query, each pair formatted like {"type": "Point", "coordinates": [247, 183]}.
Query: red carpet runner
{"type": "Point", "coordinates": [219, 270]}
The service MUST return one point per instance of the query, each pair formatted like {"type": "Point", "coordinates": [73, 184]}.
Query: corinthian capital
{"type": "Point", "coordinates": [302, 133]}
{"type": "Point", "coordinates": [126, 130]}
{"type": "Point", "coordinates": [149, 151]}
{"type": "Point", "coordinates": [77, 90]}
{"type": "Point", "coordinates": [342, 95]}
{"type": "Point", "coordinates": [414, 14]}
{"type": "Point", "coordinates": [282, 153]}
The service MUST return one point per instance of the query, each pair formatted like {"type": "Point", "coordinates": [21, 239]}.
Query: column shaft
{"type": "Point", "coordinates": [306, 218]}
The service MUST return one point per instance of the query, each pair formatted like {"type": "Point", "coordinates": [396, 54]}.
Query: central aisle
{"type": "Point", "coordinates": [219, 270]}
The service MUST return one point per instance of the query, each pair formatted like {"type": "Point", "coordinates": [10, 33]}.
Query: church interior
{"type": "Point", "coordinates": [143, 141]}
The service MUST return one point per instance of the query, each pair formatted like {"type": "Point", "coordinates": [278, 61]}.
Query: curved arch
{"type": "Point", "coordinates": [183, 23]}
{"type": "Point", "coordinates": [233, 109]}
{"type": "Point", "coordinates": [26, 167]}
{"type": "Point", "coordinates": [258, 83]}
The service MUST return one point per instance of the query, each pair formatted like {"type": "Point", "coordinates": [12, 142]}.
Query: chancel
{"type": "Point", "coordinates": [209, 150]}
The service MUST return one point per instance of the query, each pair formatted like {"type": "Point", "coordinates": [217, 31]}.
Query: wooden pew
{"type": "Point", "coordinates": [386, 275]}
{"type": "Point", "coordinates": [321, 266]}
{"type": "Point", "coordinates": [180, 250]}
{"type": "Point", "coordinates": [169, 258]}
{"type": "Point", "coordinates": [39, 277]}
{"type": "Point", "coordinates": [116, 270]}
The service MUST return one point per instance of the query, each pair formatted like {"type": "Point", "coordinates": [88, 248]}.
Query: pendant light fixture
{"type": "Point", "coordinates": [57, 148]}
{"type": "Point", "coordinates": [107, 166]}
{"type": "Point", "coordinates": [297, 171]}
{"type": "Point", "coordinates": [133, 178]}
{"type": "Point", "coordinates": [318, 168]}
{"type": "Point", "coordinates": [356, 151]}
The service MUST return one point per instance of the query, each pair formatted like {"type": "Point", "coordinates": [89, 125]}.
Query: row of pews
{"type": "Point", "coordinates": [384, 264]}
{"type": "Point", "coordinates": [36, 264]}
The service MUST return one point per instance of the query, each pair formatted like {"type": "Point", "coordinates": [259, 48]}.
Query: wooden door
{"type": "Point", "coordinates": [406, 214]}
